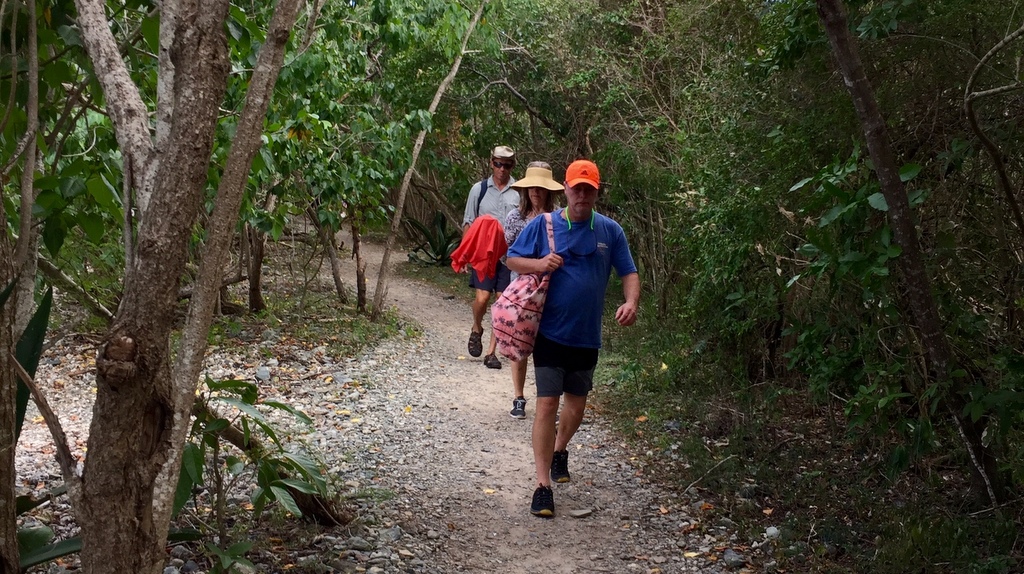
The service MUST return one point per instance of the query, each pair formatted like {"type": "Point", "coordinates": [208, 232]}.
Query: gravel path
{"type": "Point", "coordinates": [421, 430]}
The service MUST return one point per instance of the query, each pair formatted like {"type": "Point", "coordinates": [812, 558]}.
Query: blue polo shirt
{"type": "Point", "coordinates": [575, 302]}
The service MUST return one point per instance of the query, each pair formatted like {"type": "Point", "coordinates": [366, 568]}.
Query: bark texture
{"type": "Point", "coordinates": [919, 297]}
{"type": "Point", "coordinates": [130, 439]}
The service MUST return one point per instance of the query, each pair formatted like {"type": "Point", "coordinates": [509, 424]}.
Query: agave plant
{"type": "Point", "coordinates": [438, 241]}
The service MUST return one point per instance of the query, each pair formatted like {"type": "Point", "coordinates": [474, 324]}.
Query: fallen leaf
{"type": "Point", "coordinates": [707, 506]}
{"type": "Point", "coordinates": [691, 554]}
{"type": "Point", "coordinates": [489, 491]}
{"type": "Point", "coordinates": [663, 510]}
{"type": "Point", "coordinates": [408, 409]}
{"type": "Point", "coordinates": [768, 511]}
{"type": "Point", "coordinates": [664, 367]}
{"type": "Point", "coordinates": [641, 418]}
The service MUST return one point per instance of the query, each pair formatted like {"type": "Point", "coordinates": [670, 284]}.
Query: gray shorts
{"type": "Point", "coordinates": [553, 381]}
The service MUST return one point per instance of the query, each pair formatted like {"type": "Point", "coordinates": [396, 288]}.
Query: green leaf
{"type": "Point", "coordinates": [182, 493]}
{"type": "Point", "coordinates": [30, 539]}
{"type": "Point", "coordinates": [7, 291]}
{"type": "Point", "coordinates": [285, 498]}
{"type": "Point", "coordinates": [299, 485]}
{"type": "Point", "coordinates": [216, 425]}
{"type": "Point", "coordinates": [192, 462]}
{"type": "Point", "coordinates": [54, 233]}
{"type": "Point", "coordinates": [101, 191]}
{"type": "Point", "coordinates": [93, 226]}
{"type": "Point", "coordinates": [909, 172]}
{"type": "Point", "coordinates": [239, 548]}
{"type": "Point", "coordinates": [70, 35]}
{"type": "Point", "coordinates": [234, 465]}
{"type": "Point", "coordinates": [151, 32]}
{"type": "Point", "coordinates": [308, 467]}
{"type": "Point", "coordinates": [801, 183]}
{"type": "Point", "coordinates": [245, 407]}
{"type": "Point", "coordinates": [877, 200]}
{"type": "Point", "coordinates": [28, 352]}
{"type": "Point", "coordinates": [290, 409]}
{"type": "Point", "coordinates": [50, 552]}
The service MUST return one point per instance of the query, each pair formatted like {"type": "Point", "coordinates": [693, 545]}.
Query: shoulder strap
{"type": "Point", "coordinates": [480, 198]}
{"type": "Point", "coordinates": [551, 232]}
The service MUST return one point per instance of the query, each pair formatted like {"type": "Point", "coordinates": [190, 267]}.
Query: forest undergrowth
{"type": "Point", "coordinates": [777, 460]}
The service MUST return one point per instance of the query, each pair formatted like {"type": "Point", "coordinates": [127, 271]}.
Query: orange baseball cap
{"type": "Point", "coordinates": [582, 171]}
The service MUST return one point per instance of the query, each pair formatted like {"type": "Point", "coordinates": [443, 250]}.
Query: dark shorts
{"type": "Point", "coordinates": [494, 284]}
{"type": "Point", "coordinates": [563, 369]}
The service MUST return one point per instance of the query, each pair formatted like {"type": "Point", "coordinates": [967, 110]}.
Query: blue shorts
{"type": "Point", "coordinates": [495, 284]}
{"type": "Point", "coordinates": [563, 369]}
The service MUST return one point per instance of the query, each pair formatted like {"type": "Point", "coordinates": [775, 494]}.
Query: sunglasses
{"type": "Point", "coordinates": [503, 164]}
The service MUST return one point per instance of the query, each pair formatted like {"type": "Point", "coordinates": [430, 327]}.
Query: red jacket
{"type": "Point", "coordinates": [482, 246]}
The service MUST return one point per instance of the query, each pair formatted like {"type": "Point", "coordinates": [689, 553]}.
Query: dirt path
{"type": "Point", "coordinates": [479, 473]}
{"type": "Point", "coordinates": [418, 433]}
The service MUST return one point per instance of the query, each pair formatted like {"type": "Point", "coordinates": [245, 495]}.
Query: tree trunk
{"type": "Point", "coordinates": [396, 219]}
{"type": "Point", "coordinates": [257, 243]}
{"type": "Point", "coordinates": [357, 252]}
{"type": "Point", "coordinates": [143, 405]}
{"type": "Point", "coordinates": [327, 239]}
{"type": "Point", "coordinates": [123, 516]}
{"type": "Point", "coordinates": [8, 392]}
{"type": "Point", "coordinates": [919, 296]}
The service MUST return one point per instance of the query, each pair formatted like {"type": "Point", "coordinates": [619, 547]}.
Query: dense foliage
{"type": "Point", "coordinates": [732, 155]}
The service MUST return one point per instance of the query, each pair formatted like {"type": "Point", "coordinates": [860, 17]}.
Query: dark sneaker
{"type": "Point", "coordinates": [475, 345]}
{"type": "Point", "coordinates": [543, 502]}
{"type": "Point", "coordinates": [560, 466]}
{"type": "Point", "coordinates": [518, 408]}
{"type": "Point", "coordinates": [492, 362]}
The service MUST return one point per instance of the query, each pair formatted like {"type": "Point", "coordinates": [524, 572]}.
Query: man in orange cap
{"type": "Point", "coordinates": [588, 246]}
{"type": "Point", "coordinates": [493, 196]}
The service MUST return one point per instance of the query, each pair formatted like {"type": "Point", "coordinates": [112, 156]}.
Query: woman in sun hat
{"type": "Point", "coordinates": [536, 196]}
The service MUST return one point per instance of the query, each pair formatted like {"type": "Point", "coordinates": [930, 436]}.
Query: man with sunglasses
{"type": "Point", "coordinates": [588, 246]}
{"type": "Point", "coordinates": [493, 196]}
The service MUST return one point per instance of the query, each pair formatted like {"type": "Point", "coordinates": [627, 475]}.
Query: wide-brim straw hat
{"type": "Point", "coordinates": [537, 177]}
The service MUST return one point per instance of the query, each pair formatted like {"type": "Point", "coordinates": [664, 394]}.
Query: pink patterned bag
{"type": "Point", "coordinates": [515, 316]}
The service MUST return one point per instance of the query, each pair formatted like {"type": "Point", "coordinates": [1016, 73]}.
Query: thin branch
{"type": "Point", "coordinates": [60, 440]}
{"type": "Point", "coordinates": [990, 146]}
{"type": "Point", "coordinates": [62, 280]}
{"type": "Point", "coordinates": [710, 470]}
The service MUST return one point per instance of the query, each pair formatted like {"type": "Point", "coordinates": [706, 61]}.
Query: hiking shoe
{"type": "Point", "coordinates": [560, 466]}
{"type": "Point", "coordinates": [476, 345]}
{"type": "Point", "coordinates": [492, 362]}
{"type": "Point", "coordinates": [518, 408]}
{"type": "Point", "coordinates": [543, 502]}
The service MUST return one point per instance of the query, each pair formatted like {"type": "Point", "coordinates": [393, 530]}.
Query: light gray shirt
{"type": "Point", "coordinates": [495, 203]}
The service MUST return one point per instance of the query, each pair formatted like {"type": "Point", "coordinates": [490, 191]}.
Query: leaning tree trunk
{"type": "Point", "coordinates": [925, 311]}
{"type": "Point", "coordinates": [326, 236]}
{"type": "Point", "coordinates": [384, 272]}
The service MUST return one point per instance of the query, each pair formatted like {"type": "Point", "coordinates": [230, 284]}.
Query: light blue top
{"type": "Point", "coordinates": [495, 203]}
{"type": "Point", "coordinates": [590, 250]}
